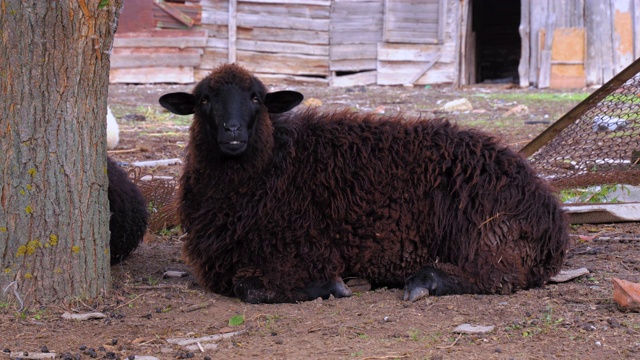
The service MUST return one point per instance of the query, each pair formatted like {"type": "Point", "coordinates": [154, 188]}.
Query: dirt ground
{"type": "Point", "coordinates": [145, 312]}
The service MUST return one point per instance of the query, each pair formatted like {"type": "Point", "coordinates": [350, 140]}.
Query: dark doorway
{"type": "Point", "coordinates": [495, 24]}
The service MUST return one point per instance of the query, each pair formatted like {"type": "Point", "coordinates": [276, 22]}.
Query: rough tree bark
{"type": "Point", "coordinates": [54, 212]}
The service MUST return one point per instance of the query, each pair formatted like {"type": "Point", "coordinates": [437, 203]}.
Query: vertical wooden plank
{"type": "Point", "coordinates": [593, 63]}
{"type": "Point", "coordinates": [538, 11]}
{"type": "Point", "coordinates": [599, 41]}
{"type": "Point", "coordinates": [605, 43]}
{"type": "Point", "coordinates": [459, 39]}
{"type": "Point", "coordinates": [462, 43]}
{"type": "Point", "coordinates": [524, 30]}
{"type": "Point", "coordinates": [385, 15]}
{"type": "Point", "coordinates": [233, 17]}
{"type": "Point", "coordinates": [558, 9]}
{"type": "Point", "coordinates": [545, 54]}
{"type": "Point", "coordinates": [441, 24]}
{"type": "Point", "coordinates": [622, 35]}
{"type": "Point", "coordinates": [577, 14]}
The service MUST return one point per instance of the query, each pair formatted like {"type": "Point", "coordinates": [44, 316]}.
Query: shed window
{"type": "Point", "coordinates": [414, 21]}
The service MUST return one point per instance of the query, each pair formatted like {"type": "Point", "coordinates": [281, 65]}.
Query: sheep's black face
{"type": "Point", "coordinates": [230, 113]}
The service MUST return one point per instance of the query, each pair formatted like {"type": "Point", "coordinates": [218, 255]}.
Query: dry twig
{"type": "Point", "coordinates": [403, 356]}
{"type": "Point", "coordinates": [128, 302]}
{"type": "Point", "coordinates": [452, 344]}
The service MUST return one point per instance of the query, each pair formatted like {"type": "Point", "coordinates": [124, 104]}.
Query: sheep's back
{"type": "Point", "coordinates": [396, 194]}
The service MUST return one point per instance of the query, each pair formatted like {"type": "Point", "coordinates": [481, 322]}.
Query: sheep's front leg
{"type": "Point", "coordinates": [440, 279]}
{"type": "Point", "coordinates": [251, 289]}
{"type": "Point", "coordinates": [324, 289]}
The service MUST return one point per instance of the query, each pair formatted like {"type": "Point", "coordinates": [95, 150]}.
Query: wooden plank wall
{"type": "Point", "coordinates": [156, 56]}
{"type": "Point", "coordinates": [215, 20]}
{"type": "Point", "coordinates": [357, 42]}
{"type": "Point", "coordinates": [409, 61]}
{"type": "Point", "coordinates": [612, 29]}
{"type": "Point", "coordinates": [329, 41]}
{"type": "Point", "coordinates": [285, 40]}
{"type": "Point", "coordinates": [354, 33]}
{"type": "Point", "coordinates": [413, 21]}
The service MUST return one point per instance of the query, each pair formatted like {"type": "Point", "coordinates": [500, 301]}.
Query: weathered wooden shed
{"type": "Point", "coordinates": [557, 43]}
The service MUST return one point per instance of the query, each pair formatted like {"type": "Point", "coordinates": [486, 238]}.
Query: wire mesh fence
{"type": "Point", "coordinates": [597, 142]}
{"type": "Point", "coordinates": [161, 195]}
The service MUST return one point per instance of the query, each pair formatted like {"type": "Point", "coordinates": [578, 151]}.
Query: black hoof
{"type": "Point", "coordinates": [425, 282]}
{"type": "Point", "coordinates": [335, 287]}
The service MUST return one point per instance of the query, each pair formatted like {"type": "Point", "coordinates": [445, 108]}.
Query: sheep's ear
{"type": "Point", "coordinates": [281, 101]}
{"type": "Point", "coordinates": [180, 103]}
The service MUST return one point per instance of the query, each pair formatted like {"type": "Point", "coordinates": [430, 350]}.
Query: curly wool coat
{"type": "Point", "coordinates": [318, 196]}
{"type": "Point", "coordinates": [129, 216]}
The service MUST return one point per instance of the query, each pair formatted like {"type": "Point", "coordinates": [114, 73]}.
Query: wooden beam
{"type": "Point", "coordinates": [162, 38]}
{"type": "Point", "coordinates": [154, 57]}
{"type": "Point", "coordinates": [179, 75]}
{"type": "Point", "coordinates": [423, 70]}
{"type": "Point", "coordinates": [357, 79]}
{"type": "Point", "coordinates": [175, 13]}
{"type": "Point", "coordinates": [290, 64]}
{"type": "Point", "coordinates": [294, 2]}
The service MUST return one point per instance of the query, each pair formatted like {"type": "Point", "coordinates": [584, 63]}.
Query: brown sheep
{"type": "Point", "coordinates": [279, 207]}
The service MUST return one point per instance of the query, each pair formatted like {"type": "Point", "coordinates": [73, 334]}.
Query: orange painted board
{"type": "Point", "coordinates": [568, 52]}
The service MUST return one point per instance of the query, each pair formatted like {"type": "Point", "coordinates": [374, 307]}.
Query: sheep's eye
{"type": "Point", "coordinates": [254, 98]}
{"type": "Point", "coordinates": [204, 101]}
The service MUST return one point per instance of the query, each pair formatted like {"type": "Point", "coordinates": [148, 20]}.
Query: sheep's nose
{"type": "Point", "coordinates": [233, 128]}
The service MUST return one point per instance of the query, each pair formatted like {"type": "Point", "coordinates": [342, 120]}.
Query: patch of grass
{"type": "Point", "coordinates": [546, 322]}
{"type": "Point", "coordinates": [157, 114]}
{"type": "Point", "coordinates": [38, 314]}
{"type": "Point", "coordinates": [151, 114]}
{"type": "Point", "coordinates": [537, 96]}
{"type": "Point", "coordinates": [414, 334]}
{"type": "Point", "coordinates": [632, 325]}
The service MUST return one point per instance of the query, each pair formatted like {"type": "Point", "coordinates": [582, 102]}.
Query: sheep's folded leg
{"type": "Point", "coordinates": [440, 279]}
{"type": "Point", "coordinates": [324, 289]}
{"type": "Point", "coordinates": [252, 290]}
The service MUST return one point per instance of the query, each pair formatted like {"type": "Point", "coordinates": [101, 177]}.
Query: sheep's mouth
{"type": "Point", "coordinates": [233, 147]}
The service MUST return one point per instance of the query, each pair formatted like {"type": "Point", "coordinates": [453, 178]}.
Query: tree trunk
{"type": "Point", "coordinates": [54, 212]}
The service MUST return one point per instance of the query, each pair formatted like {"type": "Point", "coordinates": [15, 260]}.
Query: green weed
{"type": "Point", "coordinates": [597, 194]}
{"type": "Point", "coordinates": [414, 334]}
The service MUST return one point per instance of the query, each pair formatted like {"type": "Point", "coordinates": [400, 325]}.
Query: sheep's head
{"type": "Point", "coordinates": [230, 103]}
